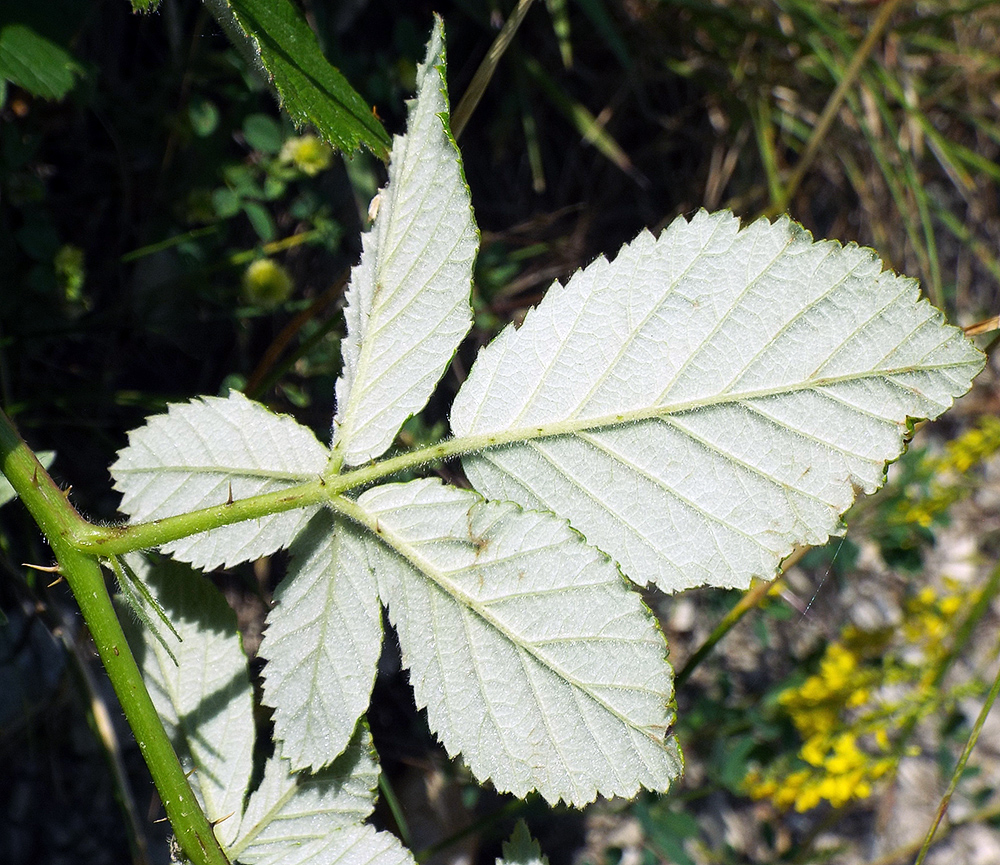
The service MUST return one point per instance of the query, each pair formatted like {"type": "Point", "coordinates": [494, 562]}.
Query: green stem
{"type": "Point", "coordinates": [57, 519]}
{"type": "Point", "coordinates": [115, 540]}
{"type": "Point", "coordinates": [107, 541]}
{"type": "Point", "coordinates": [396, 809]}
{"type": "Point", "coordinates": [826, 119]}
{"type": "Point", "coordinates": [477, 86]}
{"type": "Point", "coordinates": [749, 601]}
{"type": "Point", "coordinates": [960, 768]}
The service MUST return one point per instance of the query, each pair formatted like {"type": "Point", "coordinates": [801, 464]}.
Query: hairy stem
{"type": "Point", "coordinates": [115, 540]}
{"type": "Point", "coordinates": [58, 520]}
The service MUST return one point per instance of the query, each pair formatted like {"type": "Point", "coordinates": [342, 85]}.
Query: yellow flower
{"type": "Point", "coordinates": [814, 751]}
{"type": "Point", "coordinates": [945, 482]}
{"type": "Point", "coordinates": [840, 712]}
{"type": "Point", "coordinates": [951, 605]}
{"type": "Point", "coordinates": [307, 153]}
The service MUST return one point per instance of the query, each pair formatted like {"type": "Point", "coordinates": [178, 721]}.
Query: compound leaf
{"type": "Point", "coordinates": [408, 302]}
{"type": "Point", "coordinates": [322, 643]}
{"type": "Point", "coordinates": [210, 451]}
{"type": "Point", "coordinates": [197, 677]}
{"type": "Point", "coordinates": [711, 397]}
{"type": "Point", "coordinates": [529, 650]}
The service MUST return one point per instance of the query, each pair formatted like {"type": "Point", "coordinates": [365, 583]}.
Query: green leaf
{"type": "Point", "coordinates": [39, 65]}
{"type": "Point", "coordinates": [531, 653]}
{"type": "Point", "coordinates": [712, 397]}
{"type": "Point", "coordinates": [522, 849]}
{"type": "Point", "coordinates": [226, 202]}
{"type": "Point", "coordinates": [204, 698]}
{"type": "Point", "coordinates": [322, 643]}
{"type": "Point", "coordinates": [262, 133]}
{"type": "Point", "coordinates": [260, 219]}
{"type": "Point", "coordinates": [203, 114]}
{"type": "Point", "coordinates": [210, 451]}
{"type": "Point", "coordinates": [408, 302]}
{"type": "Point", "coordinates": [310, 89]}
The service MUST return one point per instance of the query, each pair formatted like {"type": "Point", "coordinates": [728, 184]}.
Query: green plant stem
{"type": "Point", "coordinates": [274, 247]}
{"type": "Point", "coordinates": [750, 600]}
{"type": "Point", "coordinates": [960, 768]}
{"type": "Point", "coordinates": [169, 242]}
{"type": "Point", "coordinates": [107, 541]}
{"type": "Point", "coordinates": [396, 809]}
{"type": "Point", "coordinates": [57, 519]}
{"type": "Point", "coordinates": [104, 541]}
{"type": "Point", "coordinates": [116, 540]}
{"type": "Point", "coordinates": [477, 86]}
{"type": "Point", "coordinates": [745, 604]}
{"type": "Point", "coordinates": [832, 106]}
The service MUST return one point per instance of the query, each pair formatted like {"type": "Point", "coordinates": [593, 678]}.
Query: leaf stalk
{"type": "Point", "coordinates": [105, 541]}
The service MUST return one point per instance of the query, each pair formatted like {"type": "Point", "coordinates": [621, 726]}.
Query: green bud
{"type": "Point", "coordinates": [267, 283]}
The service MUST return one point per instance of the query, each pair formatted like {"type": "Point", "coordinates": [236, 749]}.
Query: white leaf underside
{"type": "Point", "coordinates": [322, 643]}
{"type": "Point", "coordinates": [352, 845]}
{"type": "Point", "coordinates": [711, 397]}
{"type": "Point", "coordinates": [289, 811]}
{"type": "Point", "coordinates": [530, 652]}
{"type": "Point", "coordinates": [204, 700]}
{"type": "Point", "coordinates": [408, 301]}
{"type": "Point", "coordinates": [204, 452]}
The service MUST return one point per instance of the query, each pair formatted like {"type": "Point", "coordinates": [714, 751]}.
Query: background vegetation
{"type": "Point", "coordinates": [165, 231]}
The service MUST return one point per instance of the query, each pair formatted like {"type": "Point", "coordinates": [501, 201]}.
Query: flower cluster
{"type": "Point", "coordinates": [831, 765]}
{"type": "Point", "coordinates": [928, 622]}
{"type": "Point", "coordinates": [946, 474]}
{"type": "Point", "coordinates": [852, 712]}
